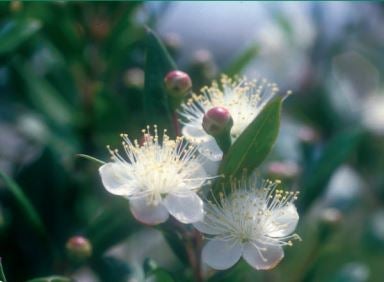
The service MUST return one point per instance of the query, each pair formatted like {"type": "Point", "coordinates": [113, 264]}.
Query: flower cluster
{"type": "Point", "coordinates": [161, 176]}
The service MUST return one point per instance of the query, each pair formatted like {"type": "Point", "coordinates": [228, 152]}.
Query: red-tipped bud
{"type": "Point", "coordinates": [217, 120]}
{"type": "Point", "coordinates": [178, 83]}
{"type": "Point", "coordinates": [78, 248]}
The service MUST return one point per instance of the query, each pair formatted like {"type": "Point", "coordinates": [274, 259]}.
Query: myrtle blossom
{"type": "Point", "coordinates": [158, 178]}
{"type": "Point", "coordinates": [244, 99]}
{"type": "Point", "coordinates": [253, 222]}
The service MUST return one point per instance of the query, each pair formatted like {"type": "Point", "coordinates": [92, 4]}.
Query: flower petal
{"type": "Point", "coordinates": [220, 254]}
{"type": "Point", "coordinates": [283, 221]}
{"type": "Point", "coordinates": [144, 212]}
{"type": "Point", "coordinates": [195, 133]}
{"type": "Point", "coordinates": [263, 256]}
{"type": "Point", "coordinates": [211, 150]}
{"type": "Point", "coordinates": [115, 178]}
{"type": "Point", "coordinates": [186, 207]}
{"type": "Point", "coordinates": [206, 228]}
{"type": "Point", "coordinates": [197, 176]}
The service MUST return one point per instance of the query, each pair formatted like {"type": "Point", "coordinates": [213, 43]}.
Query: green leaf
{"type": "Point", "coordinates": [243, 60]}
{"type": "Point", "coordinates": [25, 205]}
{"type": "Point", "coordinates": [51, 279]}
{"type": "Point", "coordinates": [254, 144]}
{"type": "Point", "coordinates": [16, 32]}
{"type": "Point", "coordinates": [159, 275]}
{"type": "Point", "coordinates": [112, 226]}
{"type": "Point", "coordinates": [158, 64]}
{"type": "Point", "coordinates": [334, 154]}
{"type": "Point", "coordinates": [46, 98]}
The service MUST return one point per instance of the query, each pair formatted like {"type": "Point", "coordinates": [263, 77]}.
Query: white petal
{"type": "Point", "coordinates": [206, 228]}
{"type": "Point", "coordinates": [266, 257]}
{"type": "Point", "coordinates": [115, 178]}
{"type": "Point", "coordinates": [195, 133]}
{"type": "Point", "coordinates": [211, 167]}
{"type": "Point", "coordinates": [283, 221]}
{"type": "Point", "coordinates": [211, 150]}
{"type": "Point", "coordinates": [197, 176]}
{"type": "Point", "coordinates": [220, 254]}
{"type": "Point", "coordinates": [143, 211]}
{"type": "Point", "coordinates": [186, 207]}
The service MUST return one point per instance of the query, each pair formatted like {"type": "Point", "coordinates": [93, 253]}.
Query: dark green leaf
{"type": "Point", "coordinates": [254, 144]}
{"type": "Point", "coordinates": [242, 60]}
{"type": "Point", "coordinates": [335, 153]}
{"type": "Point", "coordinates": [158, 64]}
{"type": "Point", "coordinates": [46, 98]}
{"type": "Point", "coordinates": [51, 279]}
{"type": "Point", "coordinates": [16, 32]}
{"type": "Point", "coordinates": [25, 205]}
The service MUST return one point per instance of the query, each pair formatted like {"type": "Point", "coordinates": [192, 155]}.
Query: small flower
{"type": "Point", "coordinates": [251, 222]}
{"type": "Point", "coordinates": [242, 98]}
{"type": "Point", "coordinates": [158, 178]}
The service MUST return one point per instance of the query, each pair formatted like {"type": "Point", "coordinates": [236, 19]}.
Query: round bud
{"type": "Point", "coordinates": [178, 83]}
{"type": "Point", "coordinates": [217, 120]}
{"type": "Point", "coordinates": [78, 248]}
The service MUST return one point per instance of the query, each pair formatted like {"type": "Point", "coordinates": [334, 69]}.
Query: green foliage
{"type": "Point", "coordinates": [254, 144]}
{"type": "Point", "coordinates": [16, 32]}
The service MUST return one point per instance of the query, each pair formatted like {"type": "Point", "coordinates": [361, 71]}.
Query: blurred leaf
{"type": "Point", "coordinates": [16, 32]}
{"type": "Point", "coordinates": [175, 241]}
{"type": "Point", "coordinates": [158, 64]}
{"type": "Point", "coordinates": [159, 275]}
{"type": "Point", "coordinates": [112, 226]}
{"type": "Point", "coordinates": [240, 272]}
{"type": "Point", "coordinates": [113, 269]}
{"type": "Point", "coordinates": [46, 98]}
{"type": "Point", "coordinates": [243, 60]}
{"type": "Point", "coordinates": [2, 275]}
{"type": "Point", "coordinates": [254, 144]}
{"type": "Point", "coordinates": [335, 153]}
{"type": "Point", "coordinates": [51, 279]}
{"type": "Point", "coordinates": [25, 205]}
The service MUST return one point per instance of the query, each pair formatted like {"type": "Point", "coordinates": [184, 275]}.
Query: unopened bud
{"type": "Point", "coordinates": [217, 120]}
{"type": "Point", "coordinates": [178, 83]}
{"type": "Point", "coordinates": [78, 248]}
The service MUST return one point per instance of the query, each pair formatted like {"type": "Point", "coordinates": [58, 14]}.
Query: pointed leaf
{"type": "Point", "coordinates": [16, 32]}
{"type": "Point", "coordinates": [254, 144]}
{"type": "Point", "coordinates": [158, 64]}
{"type": "Point", "coordinates": [243, 60]}
{"type": "Point", "coordinates": [25, 205]}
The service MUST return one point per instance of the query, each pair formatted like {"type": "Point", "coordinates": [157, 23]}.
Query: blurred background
{"type": "Point", "coordinates": [72, 79]}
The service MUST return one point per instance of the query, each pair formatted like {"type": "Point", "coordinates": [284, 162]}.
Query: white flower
{"type": "Point", "coordinates": [158, 178]}
{"type": "Point", "coordinates": [243, 99]}
{"type": "Point", "coordinates": [251, 222]}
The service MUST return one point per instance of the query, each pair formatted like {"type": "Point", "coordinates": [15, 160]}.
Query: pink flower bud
{"type": "Point", "coordinates": [178, 83]}
{"type": "Point", "coordinates": [216, 120]}
{"type": "Point", "coordinates": [78, 248]}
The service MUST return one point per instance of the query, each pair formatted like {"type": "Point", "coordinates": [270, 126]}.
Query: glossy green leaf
{"type": "Point", "coordinates": [25, 205]}
{"type": "Point", "coordinates": [334, 154]}
{"type": "Point", "coordinates": [254, 144]}
{"type": "Point", "coordinates": [16, 32]}
{"type": "Point", "coordinates": [51, 279]}
{"type": "Point", "coordinates": [158, 64]}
